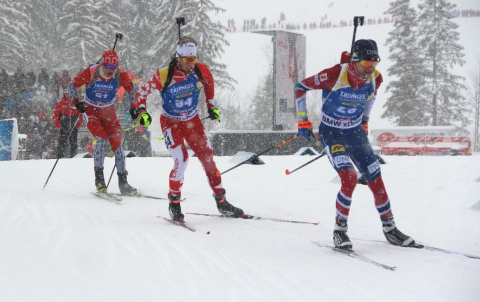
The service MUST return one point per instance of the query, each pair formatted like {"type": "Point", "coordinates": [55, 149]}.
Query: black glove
{"type": "Point", "coordinates": [134, 113]}
{"type": "Point", "coordinates": [81, 106]}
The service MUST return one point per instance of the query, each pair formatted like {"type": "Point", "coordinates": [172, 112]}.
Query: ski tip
{"type": "Point", "coordinates": [315, 223]}
{"type": "Point", "coordinates": [287, 172]}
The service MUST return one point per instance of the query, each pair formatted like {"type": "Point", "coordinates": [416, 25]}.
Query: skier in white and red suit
{"type": "Point", "coordinates": [102, 82]}
{"type": "Point", "coordinates": [180, 122]}
{"type": "Point", "coordinates": [349, 92]}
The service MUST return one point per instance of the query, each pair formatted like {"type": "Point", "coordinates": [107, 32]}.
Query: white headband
{"type": "Point", "coordinates": [187, 50]}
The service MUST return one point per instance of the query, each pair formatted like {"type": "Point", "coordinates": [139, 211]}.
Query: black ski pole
{"type": "Point", "coordinates": [311, 161]}
{"type": "Point", "coordinates": [71, 131]}
{"type": "Point", "coordinates": [263, 152]}
{"type": "Point", "coordinates": [180, 21]}
{"type": "Point", "coordinates": [118, 36]}
{"type": "Point", "coordinates": [356, 21]}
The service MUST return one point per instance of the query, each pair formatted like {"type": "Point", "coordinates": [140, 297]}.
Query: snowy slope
{"type": "Point", "coordinates": [63, 244]}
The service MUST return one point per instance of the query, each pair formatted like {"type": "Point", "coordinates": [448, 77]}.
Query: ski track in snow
{"type": "Point", "coordinates": [63, 243]}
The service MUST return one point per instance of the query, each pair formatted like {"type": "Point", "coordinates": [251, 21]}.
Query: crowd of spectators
{"type": "Point", "coordinates": [251, 24]}
{"type": "Point", "coordinates": [31, 99]}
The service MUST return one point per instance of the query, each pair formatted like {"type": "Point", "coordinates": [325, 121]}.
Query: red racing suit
{"type": "Point", "coordinates": [102, 120]}
{"type": "Point", "coordinates": [180, 122]}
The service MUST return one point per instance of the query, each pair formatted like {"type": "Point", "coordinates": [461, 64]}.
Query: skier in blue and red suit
{"type": "Point", "coordinates": [102, 82]}
{"type": "Point", "coordinates": [180, 122]}
{"type": "Point", "coordinates": [349, 92]}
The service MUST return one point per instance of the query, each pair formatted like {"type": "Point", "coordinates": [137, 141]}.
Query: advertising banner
{"type": "Point", "coordinates": [8, 139]}
{"type": "Point", "coordinates": [290, 61]}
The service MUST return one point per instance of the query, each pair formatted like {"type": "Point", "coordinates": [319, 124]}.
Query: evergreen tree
{"type": "Point", "coordinates": [437, 39]}
{"type": "Point", "coordinates": [198, 25]}
{"type": "Point", "coordinates": [90, 27]}
{"type": "Point", "coordinates": [47, 32]}
{"type": "Point", "coordinates": [137, 19]}
{"type": "Point", "coordinates": [16, 38]}
{"type": "Point", "coordinates": [474, 98]}
{"type": "Point", "coordinates": [405, 106]}
{"type": "Point", "coordinates": [260, 114]}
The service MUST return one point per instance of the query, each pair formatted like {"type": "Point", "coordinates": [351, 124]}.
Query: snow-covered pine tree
{"type": "Point", "coordinates": [405, 106]}
{"type": "Point", "coordinates": [138, 23]}
{"type": "Point", "coordinates": [17, 42]}
{"type": "Point", "coordinates": [260, 114]}
{"type": "Point", "coordinates": [198, 25]}
{"type": "Point", "coordinates": [90, 27]}
{"type": "Point", "coordinates": [211, 38]}
{"type": "Point", "coordinates": [474, 98]}
{"type": "Point", "coordinates": [437, 39]}
{"type": "Point", "coordinates": [46, 31]}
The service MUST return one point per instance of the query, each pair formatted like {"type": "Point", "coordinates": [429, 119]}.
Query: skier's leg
{"type": "Point", "coordinates": [198, 140]}
{"type": "Point", "coordinates": [95, 127]}
{"type": "Point", "coordinates": [361, 153]}
{"type": "Point", "coordinates": [367, 163]}
{"type": "Point", "coordinates": [336, 152]}
{"type": "Point", "coordinates": [174, 141]}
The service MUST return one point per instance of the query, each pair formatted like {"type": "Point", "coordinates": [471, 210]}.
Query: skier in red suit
{"type": "Point", "coordinates": [102, 82]}
{"type": "Point", "coordinates": [180, 85]}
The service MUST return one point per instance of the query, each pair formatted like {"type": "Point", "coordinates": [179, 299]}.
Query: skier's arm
{"type": "Point", "coordinates": [126, 81]}
{"type": "Point", "coordinates": [148, 87]}
{"type": "Point", "coordinates": [82, 78]}
{"type": "Point", "coordinates": [208, 84]}
{"type": "Point", "coordinates": [78, 81]}
{"type": "Point", "coordinates": [325, 79]}
{"type": "Point", "coordinates": [369, 105]}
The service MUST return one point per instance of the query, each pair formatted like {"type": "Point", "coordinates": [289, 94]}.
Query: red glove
{"type": "Point", "coordinates": [365, 123]}
{"type": "Point", "coordinates": [365, 127]}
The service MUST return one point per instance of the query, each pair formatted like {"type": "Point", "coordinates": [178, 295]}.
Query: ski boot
{"type": "Point", "coordinates": [393, 234]}
{"type": "Point", "coordinates": [225, 208]}
{"type": "Point", "coordinates": [100, 181]}
{"type": "Point", "coordinates": [125, 188]}
{"type": "Point", "coordinates": [340, 236]}
{"type": "Point", "coordinates": [174, 208]}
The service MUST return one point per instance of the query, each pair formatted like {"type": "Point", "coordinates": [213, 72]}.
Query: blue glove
{"type": "Point", "coordinates": [305, 129]}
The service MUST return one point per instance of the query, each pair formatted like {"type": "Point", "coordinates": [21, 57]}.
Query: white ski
{"type": "Point", "coordinates": [355, 255]}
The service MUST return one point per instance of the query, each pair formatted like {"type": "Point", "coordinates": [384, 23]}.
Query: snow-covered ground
{"type": "Point", "coordinates": [63, 244]}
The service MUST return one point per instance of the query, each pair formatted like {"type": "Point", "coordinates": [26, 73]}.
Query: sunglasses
{"type": "Point", "coordinates": [367, 64]}
{"type": "Point", "coordinates": [110, 66]}
{"type": "Point", "coordinates": [189, 59]}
